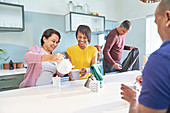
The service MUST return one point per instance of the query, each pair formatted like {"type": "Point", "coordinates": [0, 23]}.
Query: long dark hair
{"type": "Point", "coordinates": [47, 33]}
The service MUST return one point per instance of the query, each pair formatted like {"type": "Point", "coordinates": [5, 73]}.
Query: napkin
{"type": "Point", "coordinates": [96, 71]}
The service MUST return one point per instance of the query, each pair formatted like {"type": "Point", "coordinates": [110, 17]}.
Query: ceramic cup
{"type": "Point", "coordinates": [56, 81]}
{"type": "Point", "coordinates": [75, 74]}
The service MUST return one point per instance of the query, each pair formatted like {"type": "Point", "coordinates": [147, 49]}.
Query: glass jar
{"type": "Point", "coordinates": [79, 8]}
{"type": "Point", "coordinates": [86, 8]}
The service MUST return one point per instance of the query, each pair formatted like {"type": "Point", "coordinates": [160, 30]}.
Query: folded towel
{"type": "Point", "coordinates": [96, 71]}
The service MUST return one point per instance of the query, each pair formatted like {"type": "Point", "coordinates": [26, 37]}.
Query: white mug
{"type": "Point", "coordinates": [75, 74]}
{"type": "Point", "coordinates": [56, 81]}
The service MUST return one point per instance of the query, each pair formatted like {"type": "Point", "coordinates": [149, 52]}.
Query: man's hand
{"type": "Point", "coordinates": [133, 48]}
{"type": "Point", "coordinates": [128, 93]}
{"type": "Point", "coordinates": [117, 66]}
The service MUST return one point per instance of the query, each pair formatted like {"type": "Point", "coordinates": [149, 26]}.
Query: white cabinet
{"type": "Point", "coordinates": [11, 17]}
{"type": "Point", "coordinates": [73, 20]}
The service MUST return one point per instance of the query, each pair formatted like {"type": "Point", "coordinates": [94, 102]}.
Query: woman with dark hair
{"type": "Point", "coordinates": [82, 55]}
{"type": "Point", "coordinates": [41, 67]}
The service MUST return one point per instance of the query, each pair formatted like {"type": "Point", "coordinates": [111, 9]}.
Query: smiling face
{"type": "Point", "coordinates": [82, 40]}
{"type": "Point", "coordinates": [51, 43]}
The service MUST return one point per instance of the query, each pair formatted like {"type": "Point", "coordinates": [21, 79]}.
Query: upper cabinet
{"type": "Point", "coordinates": [74, 19]}
{"type": "Point", "coordinates": [11, 17]}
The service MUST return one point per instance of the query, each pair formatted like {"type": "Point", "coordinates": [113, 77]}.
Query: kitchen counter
{"type": "Point", "coordinates": [13, 72]}
{"type": "Point", "coordinates": [71, 97]}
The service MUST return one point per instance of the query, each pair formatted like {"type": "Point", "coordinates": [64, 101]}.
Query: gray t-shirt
{"type": "Point", "coordinates": [47, 72]}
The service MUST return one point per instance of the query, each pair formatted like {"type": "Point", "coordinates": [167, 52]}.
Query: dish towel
{"type": "Point", "coordinates": [96, 71]}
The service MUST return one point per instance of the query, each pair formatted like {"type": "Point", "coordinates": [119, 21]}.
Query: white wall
{"type": "Point", "coordinates": [107, 8]}
{"type": "Point", "coordinates": [18, 38]}
{"type": "Point", "coordinates": [115, 10]}
{"type": "Point", "coordinates": [134, 9]}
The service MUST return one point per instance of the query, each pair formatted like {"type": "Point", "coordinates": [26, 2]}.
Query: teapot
{"type": "Point", "coordinates": [64, 67]}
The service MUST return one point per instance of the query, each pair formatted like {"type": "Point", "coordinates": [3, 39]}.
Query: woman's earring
{"type": "Point", "coordinates": [167, 25]}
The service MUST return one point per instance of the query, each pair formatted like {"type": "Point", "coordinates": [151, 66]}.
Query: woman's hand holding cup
{"type": "Point", "coordinates": [83, 72]}
{"type": "Point", "coordinates": [70, 76]}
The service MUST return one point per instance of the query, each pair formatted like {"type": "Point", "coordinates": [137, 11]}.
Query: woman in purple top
{"type": "Point", "coordinates": [39, 58]}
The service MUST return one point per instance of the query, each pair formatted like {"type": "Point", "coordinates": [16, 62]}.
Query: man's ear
{"type": "Point", "coordinates": [167, 16]}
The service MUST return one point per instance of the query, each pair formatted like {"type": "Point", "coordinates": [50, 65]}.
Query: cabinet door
{"type": "Point", "coordinates": [73, 20]}
{"type": "Point", "coordinates": [10, 81]}
{"type": "Point", "coordinates": [11, 17]}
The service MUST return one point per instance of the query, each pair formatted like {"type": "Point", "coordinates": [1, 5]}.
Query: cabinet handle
{"type": "Point", "coordinates": [8, 78]}
{"type": "Point", "coordinates": [9, 87]}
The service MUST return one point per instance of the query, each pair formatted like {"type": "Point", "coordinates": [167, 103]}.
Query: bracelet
{"type": "Point", "coordinates": [88, 70]}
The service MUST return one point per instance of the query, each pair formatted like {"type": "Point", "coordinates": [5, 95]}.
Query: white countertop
{"type": "Point", "coordinates": [71, 97]}
{"type": "Point", "coordinates": [13, 72]}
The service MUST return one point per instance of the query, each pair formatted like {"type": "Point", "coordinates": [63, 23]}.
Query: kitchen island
{"type": "Point", "coordinates": [71, 97]}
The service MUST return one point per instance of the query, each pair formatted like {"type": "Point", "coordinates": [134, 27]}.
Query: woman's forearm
{"type": "Point", "coordinates": [48, 57]}
{"type": "Point", "coordinates": [94, 60]}
{"type": "Point", "coordinates": [31, 57]}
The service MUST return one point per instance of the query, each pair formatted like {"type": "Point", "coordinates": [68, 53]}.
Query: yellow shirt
{"type": "Point", "coordinates": [81, 57]}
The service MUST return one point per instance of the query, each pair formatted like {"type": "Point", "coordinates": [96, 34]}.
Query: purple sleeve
{"type": "Point", "coordinates": [155, 91]}
{"type": "Point", "coordinates": [33, 58]}
{"type": "Point", "coordinates": [110, 41]}
{"type": "Point", "coordinates": [59, 74]}
{"type": "Point", "coordinates": [126, 47]}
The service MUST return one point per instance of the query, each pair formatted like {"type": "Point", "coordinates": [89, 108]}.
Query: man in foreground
{"type": "Point", "coordinates": [155, 93]}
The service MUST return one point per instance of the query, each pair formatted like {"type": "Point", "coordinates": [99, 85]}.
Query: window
{"type": "Point", "coordinates": [153, 40]}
